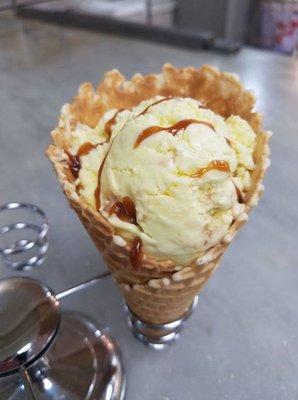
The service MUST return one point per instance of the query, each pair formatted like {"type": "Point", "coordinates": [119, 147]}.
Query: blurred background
{"type": "Point", "coordinates": [225, 25]}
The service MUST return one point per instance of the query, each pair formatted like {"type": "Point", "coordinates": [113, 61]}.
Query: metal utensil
{"type": "Point", "coordinates": [57, 355]}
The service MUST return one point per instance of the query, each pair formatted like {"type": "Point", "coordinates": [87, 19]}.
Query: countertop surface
{"type": "Point", "coordinates": [242, 341]}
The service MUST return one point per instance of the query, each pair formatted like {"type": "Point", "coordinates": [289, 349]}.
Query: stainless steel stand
{"type": "Point", "coordinates": [55, 356]}
{"type": "Point", "coordinates": [158, 336]}
{"type": "Point", "coordinates": [46, 354]}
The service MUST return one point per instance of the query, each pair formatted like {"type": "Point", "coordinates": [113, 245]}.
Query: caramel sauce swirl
{"type": "Point", "coordinates": [97, 190]}
{"type": "Point", "coordinates": [108, 131]}
{"type": "Point", "coordinates": [207, 124]}
{"type": "Point", "coordinates": [173, 129]}
{"type": "Point", "coordinates": [85, 149]}
{"type": "Point", "coordinates": [228, 141]}
{"type": "Point", "coordinates": [73, 164]}
{"type": "Point", "coordinates": [109, 124]}
{"type": "Point", "coordinates": [218, 165]}
{"type": "Point", "coordinates": [239, 195]}
{"type": "Point", "coordinates": [125, 210]}
{"type": "Point", "coordinates": [96, 196]}
{"type": "Point", "coordinates": [74, 161]}
{"type": "Point", "coordinates": [153, 104]}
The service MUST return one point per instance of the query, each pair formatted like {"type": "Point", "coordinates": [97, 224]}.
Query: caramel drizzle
{"type": "Point", "coordinates": [96, 196]}
{"type": "Point", "coordinates": [153, 104]}
{"type": "Point", "coordinates": [160, 101]}
{"type": "Point", "coordinates": [219, 165]}
{"type": "Point", "coordinates": [85, 149]}
{"type": "Point", "coordinates": [207, 124]}
{"type": "Point", "coordinates": [74, 162]}
{"type": "Point", "coordinates": [239, 194]}
{"type": "Point", "coordinates": [136, 255]}
{"type": "Point", "coordinates": [173, 130]}
{"type": "Point", "coordinates": [97, 190]}
{"type": "Point", "coordinates": [125, 210]}
{"type": "Point", "coordinates": [109, 124]}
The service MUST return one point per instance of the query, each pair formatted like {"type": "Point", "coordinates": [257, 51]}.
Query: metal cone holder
{"type": "Point", "coordinates": [44, 353]}
{"type": "Point", "coordinates": [158, 336]}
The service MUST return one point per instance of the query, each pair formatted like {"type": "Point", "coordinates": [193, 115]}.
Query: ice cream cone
{"type": "Point", "coordinates": [158, 291]}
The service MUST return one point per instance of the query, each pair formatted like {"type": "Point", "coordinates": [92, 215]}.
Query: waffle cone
{"type": "Point", "coordinates": [158, 291]}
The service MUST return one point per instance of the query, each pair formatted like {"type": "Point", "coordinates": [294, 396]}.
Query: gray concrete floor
{"type": "Point", "coordinates": [241, 344]}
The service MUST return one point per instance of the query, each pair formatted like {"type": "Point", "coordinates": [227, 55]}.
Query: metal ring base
{"type": "Point", "coordinates": [158, 336]}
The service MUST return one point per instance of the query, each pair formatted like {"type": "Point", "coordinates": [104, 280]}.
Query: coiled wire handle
{"type": "Point", "coordinates": [39, 244]}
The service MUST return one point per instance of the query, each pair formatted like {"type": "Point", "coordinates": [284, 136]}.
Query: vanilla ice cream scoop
{"type": "Point", "coordinates": [167, 175]}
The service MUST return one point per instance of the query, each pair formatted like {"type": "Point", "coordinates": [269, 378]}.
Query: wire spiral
{"type": "Point", "coordinates": [38, 245]}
